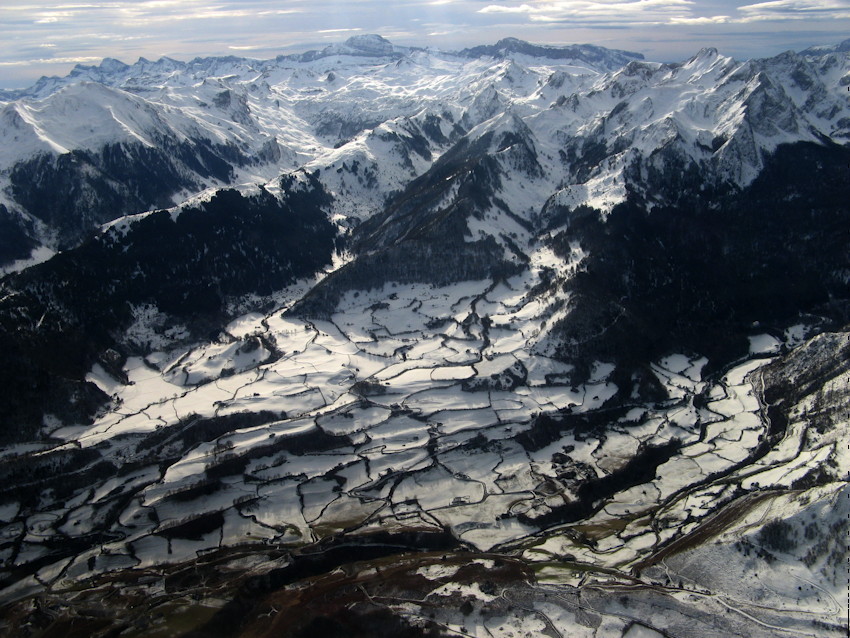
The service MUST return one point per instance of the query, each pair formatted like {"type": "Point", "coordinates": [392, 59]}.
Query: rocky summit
{"type": "Point", "coordinates": [519, 340]}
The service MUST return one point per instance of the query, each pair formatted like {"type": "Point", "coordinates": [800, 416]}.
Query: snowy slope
{"type": "Point", "coordinates": [604, 118]}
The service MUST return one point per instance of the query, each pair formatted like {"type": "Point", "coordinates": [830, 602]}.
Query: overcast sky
{"type": "Point", "coordinates": [38, 37]}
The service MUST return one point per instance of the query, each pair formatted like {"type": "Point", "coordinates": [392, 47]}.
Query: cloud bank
{"type": "Point", "coordinates": [669, 12]}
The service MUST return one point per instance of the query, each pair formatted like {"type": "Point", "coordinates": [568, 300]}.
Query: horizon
{"type": "Point", "coordinates": [46, 39]}
{"type": "Point", "coordinates": [294, 50]}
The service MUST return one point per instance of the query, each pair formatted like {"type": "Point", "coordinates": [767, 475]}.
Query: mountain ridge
{"type": "Point", "coordinates": [367, 45]}
{"type": "Point", "coordinates": [248, 129]}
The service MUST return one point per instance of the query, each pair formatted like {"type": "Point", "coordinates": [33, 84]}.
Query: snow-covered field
{"type": "Point", "coordinates": [425, 412]}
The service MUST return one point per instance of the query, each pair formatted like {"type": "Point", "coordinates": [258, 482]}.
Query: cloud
{"type": "Point", "coordinates": [612, 13]}
{"type": "Point", "coordinates": [817, 10]}
{"type": "Point", "coordinates": [135, 16]}
{"type": "Point", "coordinates": [702, 20]}
{"type": "Point", "coordinates": [498, 8]}
{"type": "Point", "coordinates": [605, 12]}
{"type": "Point", "coordinates": [135, 13]}
{"type": "Point", "coordinates": [77, 60]}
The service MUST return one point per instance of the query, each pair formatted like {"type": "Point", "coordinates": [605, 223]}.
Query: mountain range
{"type": "Point", "coordinates": [506, 341]}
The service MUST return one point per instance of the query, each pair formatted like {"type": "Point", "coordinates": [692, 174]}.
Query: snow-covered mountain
{"type": "Point", "coordinates": [118, 139]}
{"type": "Point", "coordinates": [515, 328]}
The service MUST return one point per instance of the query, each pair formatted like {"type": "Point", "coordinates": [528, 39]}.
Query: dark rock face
{"type": "Point", "coordinates": [76, 192]}
{"type": "Point", "coordinates": [58, 317]}
{"type": "Point", "coordinates": [415, 239]}
{"type": "Point", "coordinates": [15, 237]}
{"type": "Point", "coordinates": [695, 276]}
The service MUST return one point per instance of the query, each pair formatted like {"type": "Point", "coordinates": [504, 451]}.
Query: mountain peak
{"type": "Point", "coordinates": [706, 55]}
{"type": "Point", "coordinates": [363, 45]}
{"type": "Point", "coordinates": [370, 43]}
{"type": "Point", "coordinates": [597, 56]}
{"type": "Point", "coordinates": [512, 43]}
{"type": "Point", "coordinates": [841, 47]}
{"type": "Point", "coordinates": [107, 65]}
{"type": "Point", "coordinates": [111, 65]}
